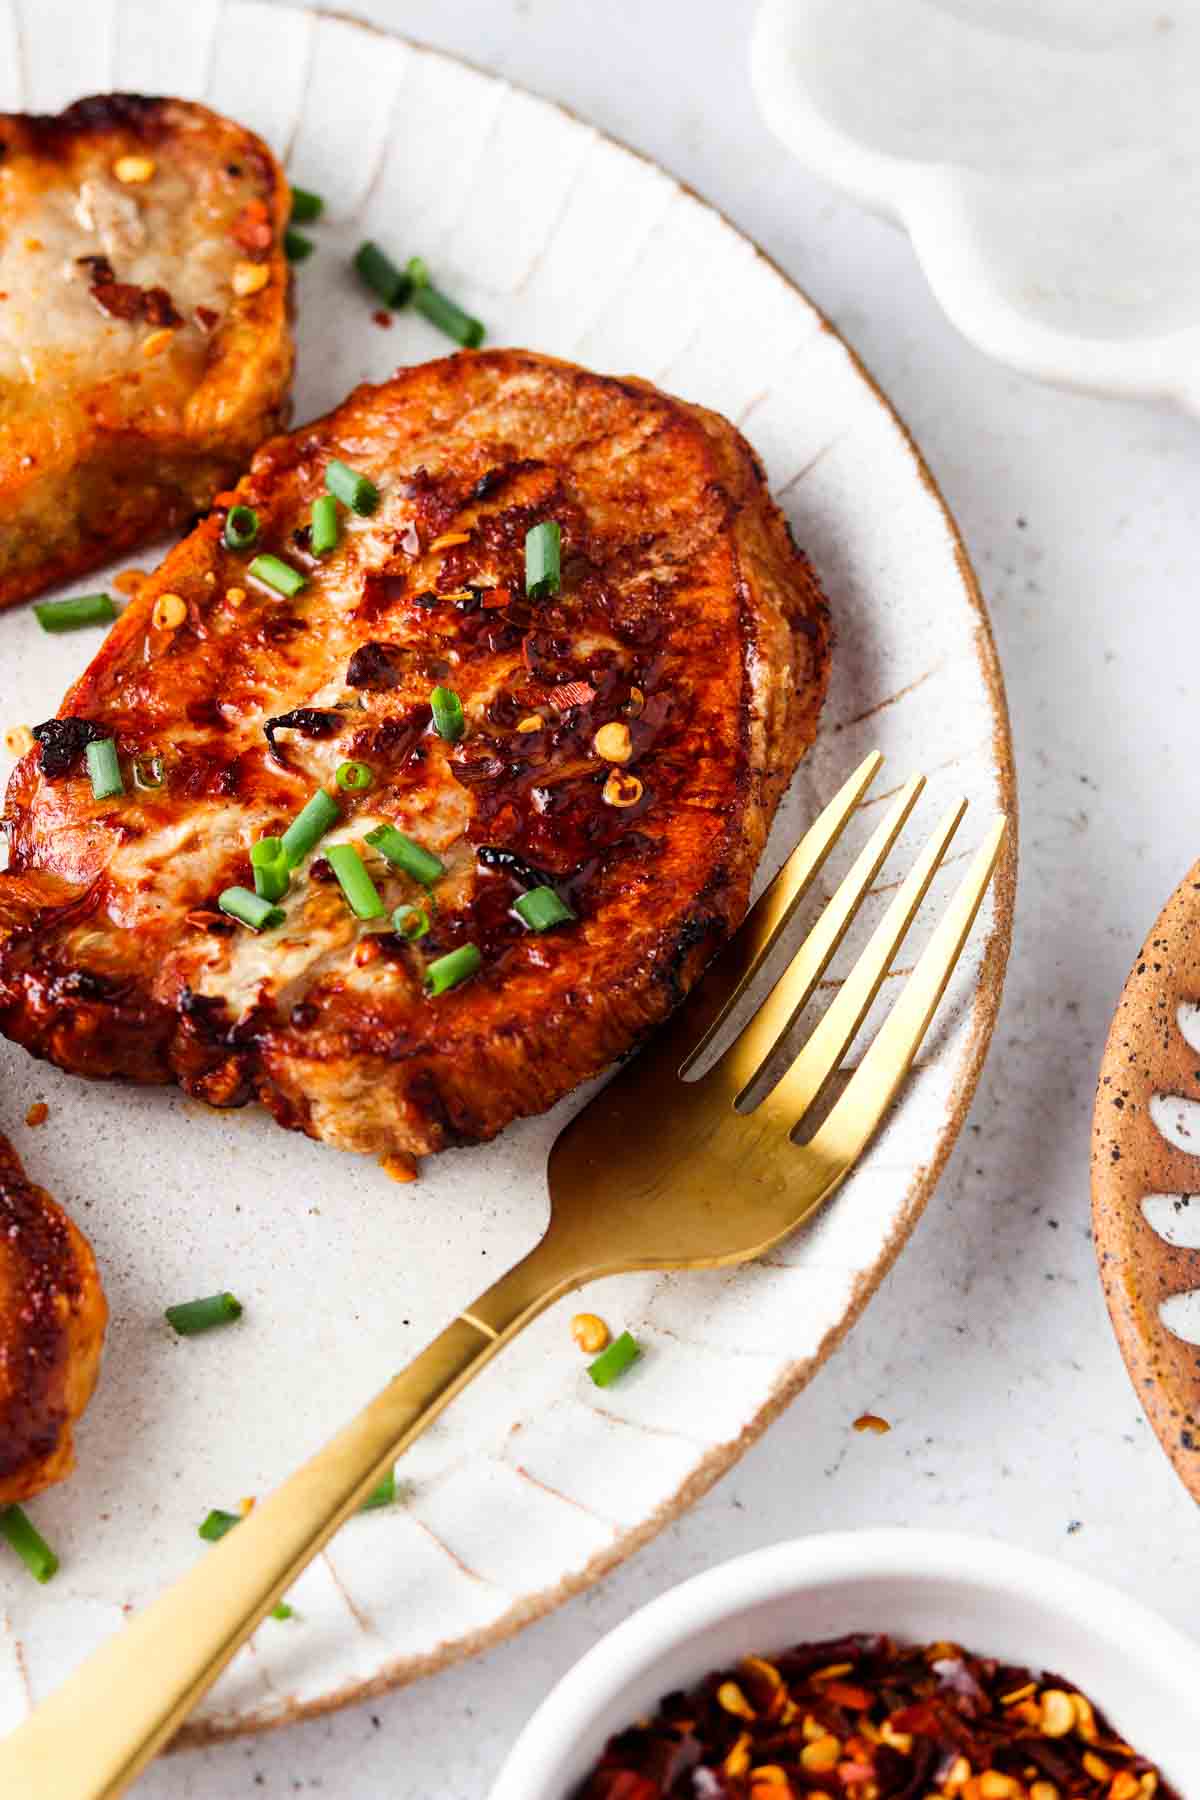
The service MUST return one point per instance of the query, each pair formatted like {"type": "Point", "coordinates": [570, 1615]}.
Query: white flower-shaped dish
{"type": "Point", "coordinates": [1044, 156]}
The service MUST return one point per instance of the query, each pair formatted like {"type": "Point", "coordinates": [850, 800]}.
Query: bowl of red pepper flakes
{"type": "Point", "coordinates": [1044, 1684]}
{"type": "Point", "coordinates": [872, 1719]}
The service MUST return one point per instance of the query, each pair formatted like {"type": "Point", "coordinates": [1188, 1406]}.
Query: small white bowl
{"type": "Point", "coordinates": [916, 1585]}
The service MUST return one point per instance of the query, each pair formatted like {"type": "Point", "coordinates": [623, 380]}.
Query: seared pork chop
{"type": "Point", "coordinates": [52, 1319]}
{"type": "Point", "coordinates": [145, 349]}
{"type": "Point", "coordinates": [625, 741]}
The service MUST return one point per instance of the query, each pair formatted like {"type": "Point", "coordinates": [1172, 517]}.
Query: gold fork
{"type": "Point", "coordinates": [655, 1173]}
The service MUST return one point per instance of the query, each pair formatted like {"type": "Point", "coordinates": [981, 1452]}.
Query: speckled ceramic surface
{"type": "Point", "coordinates": [535, 1482]}
{"type": "Point", "coordinates": [1044, 156]}
{"type": "Point", "coordinates": [1146, 1177]}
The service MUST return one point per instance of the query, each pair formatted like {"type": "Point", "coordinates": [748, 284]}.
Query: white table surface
{"type": "Point", "coordinates": [989, 1348]}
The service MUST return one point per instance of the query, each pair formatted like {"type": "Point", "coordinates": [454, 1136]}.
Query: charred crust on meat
{"type": "Point", "coordinates": [309, 721]}
{"type": "Point", "coordinates": [376, 667]}
{"type": "Point", "coordinates": [64, 741]}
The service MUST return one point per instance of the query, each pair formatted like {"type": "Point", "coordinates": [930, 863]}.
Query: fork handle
{"type": "Point", "coordinates": [97, 1732]}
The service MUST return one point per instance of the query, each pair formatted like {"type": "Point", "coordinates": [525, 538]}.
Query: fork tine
{"type": "Point", "coordinates": [757, 1042]}
{"type": "Point", "coordinates": [872, 1087]}
{"type": "Point", "coordinates": [734, 967]}
{"type": "Point", "coordinates": [821, 1055]}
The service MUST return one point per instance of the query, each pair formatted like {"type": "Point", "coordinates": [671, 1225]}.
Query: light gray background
{"type": "Point", "coordinates": [989, 1349]}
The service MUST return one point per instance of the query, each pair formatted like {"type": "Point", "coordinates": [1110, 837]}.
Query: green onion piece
{"type": "Point", "coordinates": [383, 1495]}
{"type": "Point", "coordinates": [451, 970]}
{"type": "Point", "coordinates": [354, 777]}
{"type": "Point", "coordinates": [381, 274]}
{"type": "Point", "coordinates": [360, 891]}
{"type": "Point", "coordinates": [421, 864]}
{"type": "Point", "coordinates": [297, 247]}
{"type": "Point", "coordinates": [191, 1317]}
{"type": "Point", "coordinates": [217, 1524]}
{"type": "Point", "coordinates": [251, 909]}
{"type": "Point", "coordinates": [272, 871]}
{"type": "Point", "coordinates": [309, 826]}
{"type": "Point", "coordinates": [241, 527]}
{"type": "Point", "coordinates": [543, 546]}
{"type": "Point", "coordinates": [615, 1360]}
{"type": "Point", "coordinates": [69, 615]}
{"type": "Point", "coordinates": [306, 206]}
{"type": "Point", "coordinates": [283, 1611]}
{"type": "Point", "coordinates": [351, 488]}
{"type": "Point", "coordinates": [325, 529]}
{"type": "Point", "coordinates": [448, 720]}
{"type": "Point", "coordinates": [541, 908]}
{"type": "Point", "coordinates": [412, 922]}
{"type": "Point", "coordinates": [148, 771]}
{"type": "Point", "coordinates": [441, 311]}
{"type": "Point", "coordinates": [19, 1531]}
{"type": "Point", "coordinates": [104, 769]}
{"type": "Point", "coordinates": [278, 574]}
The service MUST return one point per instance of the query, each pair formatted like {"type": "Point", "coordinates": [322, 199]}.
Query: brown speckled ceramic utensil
{"type": "Point", "coordinates": [1146, 1178]}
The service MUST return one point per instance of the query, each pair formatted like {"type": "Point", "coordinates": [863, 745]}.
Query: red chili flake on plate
{"type": "Point", "coordinates": [382, 318]}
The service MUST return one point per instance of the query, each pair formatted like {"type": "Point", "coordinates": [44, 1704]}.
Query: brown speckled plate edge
{"type": "Point", "coordinates": [1146, 1054]}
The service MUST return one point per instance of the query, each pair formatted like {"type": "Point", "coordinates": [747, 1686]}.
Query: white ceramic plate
{"type": "Point", "coordinates": [535, 1482]}
{"type": "Point", "coordinates": [920, 1586]}
{"type": "Point", "coordinates": [1044, 156]}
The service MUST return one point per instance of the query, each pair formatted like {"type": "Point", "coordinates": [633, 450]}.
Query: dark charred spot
{"type": "Point", "coordinates": [64, 741]}
{"type": "Point", "coordinates": [98, 267]}
{"type": "Point", "coordinates": [159, 309]}
{"type": "Point", "coordinates": [206, 318]}
{"type": "Point", "coordinates": [278, 627]}
{"type": "Point", "coordinates": [304, 1014]}
{"type": "Point", "coordinates": [495, 856]}
{"type": "Point", "coordinates": [309, 721]}
{"type": "Point", "coordinates": [375, 667]}
{"type": "Point", "coordinates": [321, 869]}
{"type": "Point", "coordinates": [118, 299]}
{"type": "Point", "coordinates": [206, 713]}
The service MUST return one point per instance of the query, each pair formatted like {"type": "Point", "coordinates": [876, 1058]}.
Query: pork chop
{"type": "Point", "coordinates": [52, 1319]}
{"type": "Point", "coordinates": [625, 741]}
{"type": "Point", "coordinates": [145, 348]}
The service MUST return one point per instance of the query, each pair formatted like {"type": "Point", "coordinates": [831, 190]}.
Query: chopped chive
{"type": "Point", "coordinates": [325, 529]}
{"type": "Point", "coordinates": [383, 1495]}
{"type": "Point", "coordinates": [541, 908]}
{"type": "Point", "coordinates": [241, 527]}
{"type": "Point", "coordinates": [148, 771]}
{"type": "Point", "coordinates": [251, 909]}
{"type": "Point", "coordinates": [297, 247]}
{"type": "Point", "coordinates": [191, 1317]}
{"type": "Point", "coordinates": [381, 274]}
{"type": "Point", "coordinates": [19, 1531]}
{"type": "Point", "coordinates": [306, 206]}
{"type": "Point", "coordinates": [615, 1360]}
{"type": "Point", "coordinates": [543, 547]}
{"type": "Point", "coordinates": [440, 310]}
{"type": "Point", "coordinates": [361, 893]}
{"type": "Point", "coordinates": [217, 1524]}
{"type": "Point", "coordinates": [412, 922]}
{"type": "Point", "coordinates": [451, 970]}
{"type": "Point", "coordinates": [354, 777]}
{"type": "Point", "coordinates": [104, 769]}
{"type": "Point", "coordinates": [272, 871]}
{"type": "Point", "coordinates": [416, 861]}
{"type": "Point", "coordinates": [351, 488]}
{"type": "Point", "coordinates": [309, 826]}
{"type": "Point", "coordinates": [283, 1611]}
{"type": "Point", "coordinates": [448, 720]}
{"type": "Point", "coordinates": [278, 574]}
{"type": "Point", "coordinates": [69, 615]}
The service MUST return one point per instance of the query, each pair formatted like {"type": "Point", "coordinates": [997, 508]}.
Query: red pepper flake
{"type": "Point", "coordinates": [571, 693]}
{"type": "Point", "coordinates": [497, 597]}
{"type": "Point", "coordinates": [842, 1693]}
{"type": "Point", "coordinates": [382, 318]}
{"type": "Point", "coordinates": [38, 1113]}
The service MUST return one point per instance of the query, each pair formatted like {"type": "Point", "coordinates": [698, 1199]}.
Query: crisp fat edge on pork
{"type": "Point", "coordinates": [624, 742]}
